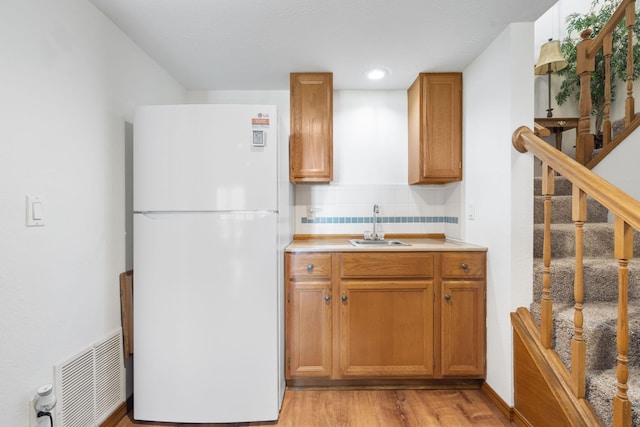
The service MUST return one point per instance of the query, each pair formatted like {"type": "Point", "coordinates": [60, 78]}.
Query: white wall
{"type": "Point", "coordinates": [620, 167]}
{"type": "Point", "coordinates": [498, 97]}
{"type": "Point", "coordinates": [69, 82]}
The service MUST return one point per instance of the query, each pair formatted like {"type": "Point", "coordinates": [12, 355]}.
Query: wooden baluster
{"type": "Point", "coordinates": [606, 127]}
{"type": "Point", "coordinates": [623, 251]}
{"type": "Point", "coordinates": [584, 67]}
{"type": "Point", "coordinates": [546, 304]}
{"type": "Point", "coordinates": [578, 347]}
{"type": "Point", "coordinates": [630, 17]}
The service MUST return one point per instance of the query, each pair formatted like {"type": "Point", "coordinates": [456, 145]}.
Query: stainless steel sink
{"type": "Point", "coordinates": [363, 242]}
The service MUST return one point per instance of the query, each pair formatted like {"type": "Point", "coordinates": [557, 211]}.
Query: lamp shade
{"type": "Point", "coordinates": [551, 59]}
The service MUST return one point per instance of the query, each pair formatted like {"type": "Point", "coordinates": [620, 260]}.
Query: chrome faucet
{"type": "Point", "coordinates": [376, 211]}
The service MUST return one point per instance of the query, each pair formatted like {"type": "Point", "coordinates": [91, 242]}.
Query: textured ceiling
{"type": "Point", "coordinates": [255, 44]}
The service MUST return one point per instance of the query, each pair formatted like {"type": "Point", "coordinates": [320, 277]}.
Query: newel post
{"type": "Point", "coordinates": [584, 67]}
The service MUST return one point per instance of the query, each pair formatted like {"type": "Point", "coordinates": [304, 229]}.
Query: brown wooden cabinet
{"type": "Point", "coordinates": [462, 350]}
{"type": "Point", "coordinates": [435, 128]}
{"type": "Point", "coordinates": [311, 140]}
{"type": "Point", "coordinates": [308, 315]}
{"type": "Point", "coordinates": [385, 315]}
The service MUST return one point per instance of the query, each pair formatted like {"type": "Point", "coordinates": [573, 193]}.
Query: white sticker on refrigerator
{"type": "Point", "coordinates": [259, 138]}
{"type": "Point", "coordinates": [262, 121]}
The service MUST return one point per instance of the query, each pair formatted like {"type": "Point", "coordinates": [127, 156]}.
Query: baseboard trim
{"type": "Point", "coordinates": [519, 419]}
{"type": "Point", "coordinates": [121, 411]}
{"type": "Point", "coordinates": [497, 401]}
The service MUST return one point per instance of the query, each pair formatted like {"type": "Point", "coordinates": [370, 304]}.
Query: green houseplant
{"type": "Point", "coordinates": [595, 19]}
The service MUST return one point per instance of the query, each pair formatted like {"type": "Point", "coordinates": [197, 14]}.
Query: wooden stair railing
{"type": "Point", "coordinates": [586, 53]}
{"type": "Point", "coordinates": [626, 211]}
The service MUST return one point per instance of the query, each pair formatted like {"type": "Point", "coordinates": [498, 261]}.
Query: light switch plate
{"type": "Point", "coordinates": [471, 212]}
{"type": "Point", "coordinates": [35, 211]}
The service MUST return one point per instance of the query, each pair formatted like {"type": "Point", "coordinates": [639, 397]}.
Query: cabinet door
{"type": "Point", "coordinates": [309, 329]}
{"type": "Point", "coordinates": [387, 328]}
{"type": "Point", "coordinates": [311, 140]}
{"type": "Point", "coordinates": [435, 128]}
{"type": "Point", "coordinates": [463, 328]}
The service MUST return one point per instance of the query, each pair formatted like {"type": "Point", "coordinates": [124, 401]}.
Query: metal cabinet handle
{"type": "Point", "coordinates": [447, 297]}
{"type": "Point", "coordinates": [309, 268]}
{"type": "Point", "coordinates": [343, 297]}
{"type": "Point", "coordinates": [327, 298]}
{"type": "Point", "coordinates": [464, 267]}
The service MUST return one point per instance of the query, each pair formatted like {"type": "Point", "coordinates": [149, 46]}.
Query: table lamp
{"type": "Point", "coordinates": [550, 61]}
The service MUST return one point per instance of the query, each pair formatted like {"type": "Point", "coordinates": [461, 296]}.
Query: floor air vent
{"type": "Point", "coordinates": [90, 385]}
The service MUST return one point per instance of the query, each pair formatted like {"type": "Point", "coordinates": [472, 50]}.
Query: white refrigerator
{"type": "Point", "coordinates": [208, 313]}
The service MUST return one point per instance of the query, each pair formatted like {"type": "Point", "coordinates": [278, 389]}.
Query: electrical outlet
{"type": "Point", "coordinates": [312, 211]}
{"type": "Point", "coordinates": [34, 421]}
{"type": "Point", "coordinates": [471, 212]}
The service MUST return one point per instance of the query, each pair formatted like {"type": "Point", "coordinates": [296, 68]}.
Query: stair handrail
{"type": "Point", "coordinates": [585, 65]}
{"type": "Point", "coordinates": [610, 196]}
{"type": "Point", "coordinates": [626, 211]}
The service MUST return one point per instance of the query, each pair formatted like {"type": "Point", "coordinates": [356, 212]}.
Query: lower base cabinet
{"type": "Point", "coordinates": [310, 326]}
{"type": "Point", "coordinates": [367, 316]}
{"type": "Point", "coordinates": [308, 313]}
{"type": "Point", "coordinates": [386, 328]}
{"type": "Point", "coordinates": [462, 352]}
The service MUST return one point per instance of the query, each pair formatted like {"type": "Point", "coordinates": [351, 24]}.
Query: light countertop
{"type": "Point", "coordinates": [416, 245]}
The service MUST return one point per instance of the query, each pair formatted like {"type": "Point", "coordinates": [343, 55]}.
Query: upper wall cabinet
{"type": "Point", "coordinates": [311, 141]}
{"type": "Point", "coordinates": [435, 128]}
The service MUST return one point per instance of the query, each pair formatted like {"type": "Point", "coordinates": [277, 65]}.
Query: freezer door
{"type": "Point", "coordinates": [205, 157]}
{"type": "Point", "coordinates": [206, 318]}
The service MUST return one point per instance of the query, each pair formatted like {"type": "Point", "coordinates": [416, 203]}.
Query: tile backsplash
{"type": "Point", "coordinates": [404, 209]}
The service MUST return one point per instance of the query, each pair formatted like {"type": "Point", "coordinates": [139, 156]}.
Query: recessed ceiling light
{"type": "Point", "coordinates": [377, 73]}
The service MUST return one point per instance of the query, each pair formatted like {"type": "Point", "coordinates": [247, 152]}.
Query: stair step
{"type": "Point", "coordinates": [600, 280]}
{"type": "Point", "coordinates": [601, 388]}
{"type": "Point", "coordinates": [598, 240]}
{"type": "Point", "coordinates": [561, 187]}
{"type": "Point", "coordinates": [599, 333]}
{"type": "Point", "coordinates": [561, 210]}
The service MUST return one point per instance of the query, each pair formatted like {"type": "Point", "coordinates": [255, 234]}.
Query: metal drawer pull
{"type": "Point", "coordinates": [465, 267]}
{"type": "Point", "coordinates": [343, 297]}
{"type": "Point", "coordinates": [309, 268]}
{"type": "Point", "coordinates": [447, 297]}
{"type": "Point", "coordinates": [327, 298]}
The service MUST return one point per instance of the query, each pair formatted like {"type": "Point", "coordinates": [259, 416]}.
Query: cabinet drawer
{"type": "Point", "coordinates": [310, 266]}
{"type": "Point", "coordinates": [463, 265]}
{"type": "Point", "coordinates": [386, 264]}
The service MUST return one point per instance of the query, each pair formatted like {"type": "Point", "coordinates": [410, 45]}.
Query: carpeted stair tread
{"type": "Point", "coordinates": [599, 333]}
{"type": "Point", "coordinates": [600, 279]}
{"type": "Point", "coordinates": [561, 210]}
{"type": "Point", "coordinates": [601, 388]}
{"type": "Point", "coordinates": [561, 187]}
{"type": "Point", "coordinates": [598, 240]}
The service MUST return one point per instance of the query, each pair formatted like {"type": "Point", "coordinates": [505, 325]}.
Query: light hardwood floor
{"type": "Point", "coordinates": [374, 408]}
